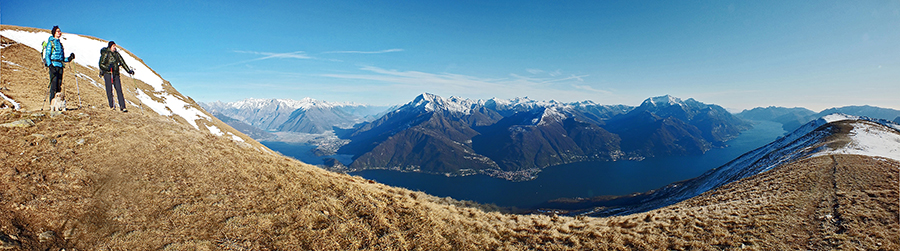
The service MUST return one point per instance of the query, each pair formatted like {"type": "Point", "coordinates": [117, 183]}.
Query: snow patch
{"type": "Point", "coordinates": [215, 130]}
{"type": "Point", "coordinates": [834, 117]}
{"type": "Point", "coordinates": [85, 76]}
{"type": "Point", "coordinates": [15, 104]}
{"type": "Point", "coordinates": [172, 105]}
{"type": "Point", "coordinates": [869, 140]}
{"type": "Point", "coordinates": [14, 64]}
{"type": "Point", "coordinates": [236, 138]}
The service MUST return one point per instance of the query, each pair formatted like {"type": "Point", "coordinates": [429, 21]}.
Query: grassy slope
{"type": "Point", "coordinates": [142, 182]}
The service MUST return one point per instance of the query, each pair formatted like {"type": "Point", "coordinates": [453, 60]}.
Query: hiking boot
{"type": "Point", "coordinates": [124, 110]}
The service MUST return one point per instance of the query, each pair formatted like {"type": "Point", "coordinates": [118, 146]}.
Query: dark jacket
{"type": "Point", "coordinates": [54, 54]}
{"type": "Point", "coordinates": [111, 60]}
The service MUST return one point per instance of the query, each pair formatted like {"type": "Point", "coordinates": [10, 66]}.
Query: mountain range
{"type": "Point", "coordinates": [793, 118]}
{"type": "Point", "coordinates": [515, 139]}
{"type": "Point", "coordinates": [303, 116]}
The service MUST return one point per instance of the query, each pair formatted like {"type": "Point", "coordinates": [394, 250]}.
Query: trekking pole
{"type": "Point", "coordinates": [77, 89]}
{"type": "Point", "coordinates": [140, 104]}
{"type": "Point", "coordinates": [48, 88]}
{"type": "Point", "coordinates": [45, 96]}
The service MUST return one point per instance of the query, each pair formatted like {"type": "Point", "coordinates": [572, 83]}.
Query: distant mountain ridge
{"type": "Point", "coordinates": [249, 130]}
{"type": "Point", "coordinates": [515, 139]}
{"type": "Point", "coordinates": [304, 116]}
{"type": "Point", "coordinates": [793, 118]}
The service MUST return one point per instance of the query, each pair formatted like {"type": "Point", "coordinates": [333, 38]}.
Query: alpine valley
{"type": "Point", "coordinates": [510, 139]}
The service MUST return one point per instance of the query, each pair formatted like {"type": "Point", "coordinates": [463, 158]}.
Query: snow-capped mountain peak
{"type": "Point", "coordinates": [550, 114]}
{"type": "Point", "coordinates": [666, 100]}
{"type": "Point", "coordinates": [432, 103]}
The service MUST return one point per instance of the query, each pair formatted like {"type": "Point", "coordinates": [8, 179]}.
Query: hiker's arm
{"type": "Point", "coordinates": [122, 61]}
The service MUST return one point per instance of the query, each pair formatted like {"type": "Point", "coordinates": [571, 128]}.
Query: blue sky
{"type": "Point", "coordinates": [738, 54]}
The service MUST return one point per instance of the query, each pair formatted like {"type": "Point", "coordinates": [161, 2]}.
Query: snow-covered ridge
{"type": "Point", "coordinates": [551, 114]}
{"type": "Point", "coordinates": [305, 103]}
{"type": "Point", "coordinates": [87, 53]}
{"type": "Point", "coordinates": [666, 100]}
{"type": "Point", "coordinates": [431, 102]}
{"type": "Point", "coordinates": [870, 139]}
{"type": "Point", "coordinates": [453, 104]}
{"type": "Point", "coordinates": [834, 117]}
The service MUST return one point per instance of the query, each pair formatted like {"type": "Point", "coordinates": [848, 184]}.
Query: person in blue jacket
{"type": "Point", "coordinates": [54, 57]}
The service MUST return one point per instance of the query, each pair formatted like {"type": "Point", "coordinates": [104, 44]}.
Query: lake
{"type": "Point", "coordinates": [303, 152]}
{"type": "Point", "coordinates": [585, 179]}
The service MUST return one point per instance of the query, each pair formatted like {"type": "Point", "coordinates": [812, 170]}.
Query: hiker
{"type": "Point", "coordinates": [54, 59]}
{"type": "Point", "coordinates": [110, 60]}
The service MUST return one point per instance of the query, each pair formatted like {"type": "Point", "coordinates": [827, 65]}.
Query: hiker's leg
{"type": "Point", "coordinates": [107, 79]}
{"type": "Point", "coordinates": [118, 85]}
{"type": "Point", "coordinates": [55, 80]}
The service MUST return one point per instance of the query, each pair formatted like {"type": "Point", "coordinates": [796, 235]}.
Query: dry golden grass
{"type": "Point", "coordinates": [105, 180]}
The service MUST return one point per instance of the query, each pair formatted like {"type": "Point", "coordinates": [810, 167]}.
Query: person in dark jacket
{"type": "Point", "coordinates": [54, 57]}
{"type": "Point", "coordinates": [110, 60]}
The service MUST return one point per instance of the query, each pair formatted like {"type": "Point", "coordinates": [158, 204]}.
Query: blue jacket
{"type": "Point", "coordinates": [54, 53]}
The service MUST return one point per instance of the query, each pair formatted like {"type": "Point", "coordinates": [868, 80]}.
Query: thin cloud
{"type": "Point", "coordinates": [591, 89]}
{"type": "Point", "coordinates": [269, 55]}
{"type": "Point", "coordinates": [534, 71]}
{"type": "Point", "coordinates": [363, 52]}
{"type": "Point", "coordinates": [579, 78]}
{"type": "Point", "coordinates": [555, 73]}
{"type": "Point", "coordinates": [572, 77]}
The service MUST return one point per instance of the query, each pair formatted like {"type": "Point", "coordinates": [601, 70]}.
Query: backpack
{"type": "Point", "coordinates": [44, 51]}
